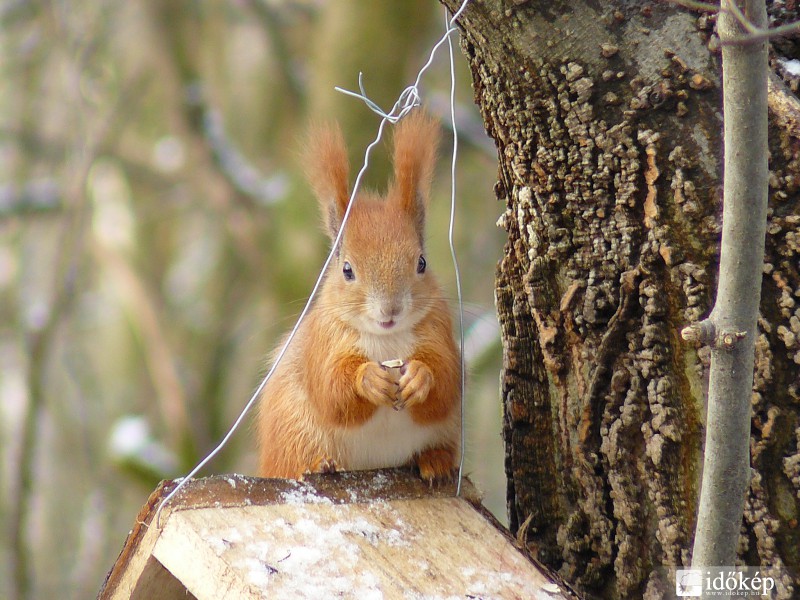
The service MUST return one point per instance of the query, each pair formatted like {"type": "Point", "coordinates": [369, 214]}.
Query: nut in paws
{"type": "Point", "coordinates": [376, 384]}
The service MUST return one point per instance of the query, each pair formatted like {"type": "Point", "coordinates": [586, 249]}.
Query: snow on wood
{"type": "Point", "coordinates": [370, 535]}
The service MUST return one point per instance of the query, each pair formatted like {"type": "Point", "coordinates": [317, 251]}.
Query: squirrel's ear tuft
{"type": "Point", "coordinates": [327, 170]}
{"type": "Point", "coordinates": [416, 140]}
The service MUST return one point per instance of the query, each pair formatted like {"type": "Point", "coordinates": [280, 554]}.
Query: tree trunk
{"type": "Point", "coordinates": [607, 122]}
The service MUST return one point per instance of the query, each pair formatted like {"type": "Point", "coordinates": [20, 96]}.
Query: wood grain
{"type": "Point", "coordinates": [378, 534]}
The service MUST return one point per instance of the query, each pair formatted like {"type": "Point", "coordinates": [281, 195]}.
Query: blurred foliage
{"type": "Point", "coordinates": [156, 238]}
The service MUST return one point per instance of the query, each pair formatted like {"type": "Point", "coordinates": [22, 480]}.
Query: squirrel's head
{"type": "Point", "coordinates": [378, 280]}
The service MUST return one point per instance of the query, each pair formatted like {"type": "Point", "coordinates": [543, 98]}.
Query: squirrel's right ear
{"type": "Point", "coordinates": [327, 170]}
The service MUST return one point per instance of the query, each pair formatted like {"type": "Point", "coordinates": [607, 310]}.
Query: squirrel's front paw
{"type": "Point", "coordinates": [415, 383]}
{"type": "Point", "coordinates": [376, 384]}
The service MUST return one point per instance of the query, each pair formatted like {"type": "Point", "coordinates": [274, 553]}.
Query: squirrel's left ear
{"type": "Point", "coordinates": [416, 140]}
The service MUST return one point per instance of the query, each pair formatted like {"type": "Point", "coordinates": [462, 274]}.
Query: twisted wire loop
{"type": "Point", "coordinates": [408, 99]}
{"type": "Point", "coordinates": [410, 96]}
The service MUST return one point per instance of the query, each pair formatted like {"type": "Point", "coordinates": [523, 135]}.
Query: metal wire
{"type": "Point", "coordinates": [408, 99]}
{"type": "Point", "coordinates": [450, 240]}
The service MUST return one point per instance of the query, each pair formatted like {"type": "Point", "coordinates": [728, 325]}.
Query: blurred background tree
{"type": "Point", "coordinates": [156, 239]}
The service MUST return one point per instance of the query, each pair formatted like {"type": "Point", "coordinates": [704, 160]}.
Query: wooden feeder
{"type": "Point", "coordinates": [364, 535]}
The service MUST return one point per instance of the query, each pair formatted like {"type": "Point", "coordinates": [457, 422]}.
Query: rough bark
{"type": "Point", "coordinates": [607, 122]}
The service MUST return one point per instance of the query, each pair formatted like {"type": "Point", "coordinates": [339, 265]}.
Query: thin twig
{"type": "Point", "coordinates": [40, 343]}
{"type": "Point", "coordinates": [238, 170]}
{"type": "Point", "coordinates": [754, 34]}
{"type": "Point", "coordinates": [742, 19]}
{"type": "Point", "coordinates": [764, 34]}
{"type": "Point", "coordinates": [701, 6]}
{"type": "Point", "coordinates": [785, 29]}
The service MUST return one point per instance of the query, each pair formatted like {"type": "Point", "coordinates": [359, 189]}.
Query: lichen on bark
{"type": "Point", "coordinates": [607, 125]}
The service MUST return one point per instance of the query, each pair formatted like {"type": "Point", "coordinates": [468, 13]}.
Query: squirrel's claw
{"type": "Point", "coordinates": [376, 384]}
{"type": "Point", "coordinates": [324, 464]}
{"type": "Point", "coordinates": [436, 465]}
{"type": "Point", "coordinates": [415, 383]}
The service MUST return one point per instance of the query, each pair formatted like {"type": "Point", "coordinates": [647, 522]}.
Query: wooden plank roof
{"type": "Point", "coordinates": [377, 534]}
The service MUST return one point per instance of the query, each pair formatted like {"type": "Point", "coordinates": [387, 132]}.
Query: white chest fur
{"type": "Point", "coordinates": [389, 439]}
{"type": "Point", "coordinates": [388, 346]}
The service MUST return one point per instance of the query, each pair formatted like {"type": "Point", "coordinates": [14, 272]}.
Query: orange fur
{"type": "Point", "coordinates": [437, 464]}
{"type": "Point", "coordinates": [330, 401]}
{"type": "Point", "coordinates": [327, 168]}
{"type": "Point", "coordinates": [440, 361]}
{"type": "Point", "coordinates": [415, 146]}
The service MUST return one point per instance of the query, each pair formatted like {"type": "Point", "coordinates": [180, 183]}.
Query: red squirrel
{"type": "Point", "coordinates": [335, 401]}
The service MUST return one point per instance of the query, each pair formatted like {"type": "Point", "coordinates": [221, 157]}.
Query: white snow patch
{"type": "Point", "coordinates": [303, 495]}
{"type": "Point", "coordinates": [297, 557]}
{"type": "Point", "coordinates": [792, 66]}
{"type": "Point", "coordinates": [232, 536]}
{"type": "Point", "coordinates": [379, 481]}
{"type": "Point", "coordinates": [304, 554]}
{"type": "Point", "coordinates": [486, 583]}
{"type": "Point", "coordinates": [217, 545]}
{"type": "Point", "coordinates": [258, 572]}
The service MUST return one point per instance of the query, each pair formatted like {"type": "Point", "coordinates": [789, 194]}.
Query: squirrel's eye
{"type": "Point", "coordinates": [347, 270]}
{"type": "Point", "coordinates": [421, 264]}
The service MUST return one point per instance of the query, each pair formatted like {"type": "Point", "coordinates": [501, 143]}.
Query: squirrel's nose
{"type": "Point", "coordinates": [390, 311]}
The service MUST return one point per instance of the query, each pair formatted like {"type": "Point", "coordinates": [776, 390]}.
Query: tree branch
{"type": "Point", "coordinates": [701, 6]}
{"type": "Point", "coordinates": [726, 465]}
{"type": "Point", "coordinates": [762, 35]}
{"type": "Point", "coordinates": [754, 34]}
{"type": "Point", "coordinates": [40, 341]}
{"type": "Point", "coordinates": [733, 8]}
